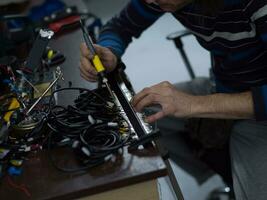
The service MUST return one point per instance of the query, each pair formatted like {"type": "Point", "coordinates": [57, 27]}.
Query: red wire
{"type": "Point", "coordinates": [4, 68]}
{"type": "Point", "coordinates": [21, 187]}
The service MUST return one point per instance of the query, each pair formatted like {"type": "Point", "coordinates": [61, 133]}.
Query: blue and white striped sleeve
{"type": "Point", "coordinates": [131, 22]}
{"type": "Point", "coordinates": [258, 13]}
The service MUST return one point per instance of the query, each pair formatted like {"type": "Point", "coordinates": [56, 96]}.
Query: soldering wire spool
{"type": "Point", "coordinates": [26, 125]}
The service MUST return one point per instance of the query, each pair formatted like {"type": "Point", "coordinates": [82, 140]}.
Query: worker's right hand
{"type": "Point", "coordinates": [87, 70]}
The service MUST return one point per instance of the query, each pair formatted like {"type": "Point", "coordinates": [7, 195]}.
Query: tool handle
{"type": "Point", "coordinates": [98, 64]}
{"type": "Point", "coordinates": [89, 43]}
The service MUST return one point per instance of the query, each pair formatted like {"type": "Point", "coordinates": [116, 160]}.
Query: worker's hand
{"type": "Point", "coordinates": [172, 101]}
{"type": "Point", "coordinates": [87, 70]}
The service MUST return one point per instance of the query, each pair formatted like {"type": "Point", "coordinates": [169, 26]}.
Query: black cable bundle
{"type": "Point", "coordinates": [93, 127]}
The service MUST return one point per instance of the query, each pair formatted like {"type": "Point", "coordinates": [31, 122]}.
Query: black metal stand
{"type": "Point", "coordinates": [175, 185]}
{"type": "Point", "coordinates": [177, 39]}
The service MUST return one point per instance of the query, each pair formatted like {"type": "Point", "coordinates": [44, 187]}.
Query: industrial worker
{"type": "Point", "coordinates": [235, 32]}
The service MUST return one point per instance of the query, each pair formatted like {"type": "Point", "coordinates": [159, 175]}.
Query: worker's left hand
{"type": "Point", "coordinates": [172, 102]}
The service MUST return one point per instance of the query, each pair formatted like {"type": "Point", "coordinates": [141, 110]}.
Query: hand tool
{"type": "Point", "coordinates": [95, 58]}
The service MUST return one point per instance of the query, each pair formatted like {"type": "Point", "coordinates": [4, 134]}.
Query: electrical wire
{"type": "Point", "coordinates": [64, 169]}
{"type": "Point", "coordinates": [93, 123]}
{"type": "Point", "coordinates": [22, 187]}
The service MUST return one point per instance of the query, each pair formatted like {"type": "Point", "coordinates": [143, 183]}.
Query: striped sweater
{"type": "Point", "coordinates": [236, 36]}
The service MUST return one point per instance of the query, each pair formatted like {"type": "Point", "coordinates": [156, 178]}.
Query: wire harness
{"type": "Point", "coordinates": [93, 127]}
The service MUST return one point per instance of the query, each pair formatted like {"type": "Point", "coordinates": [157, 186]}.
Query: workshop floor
{"type": "Point", "coordinates": [152, 59]}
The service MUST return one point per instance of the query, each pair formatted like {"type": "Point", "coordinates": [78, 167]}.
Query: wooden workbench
{"type": "Point", "coordinates": [129, 174]}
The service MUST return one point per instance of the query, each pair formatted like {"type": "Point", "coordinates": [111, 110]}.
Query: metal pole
{"type": "Point", "coordinates": [171, 175]}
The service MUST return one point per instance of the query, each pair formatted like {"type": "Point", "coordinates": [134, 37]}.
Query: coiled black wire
{"type": "Point", "coordinates": [95, 127]}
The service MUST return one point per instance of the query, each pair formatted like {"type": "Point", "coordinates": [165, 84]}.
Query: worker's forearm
{"type": "Point", "coordinates": [228, 106]}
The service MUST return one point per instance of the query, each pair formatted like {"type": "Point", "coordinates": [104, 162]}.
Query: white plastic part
{"type": "Point", "coordinates": [86, 151]}
{"type": "Point", "coordinates": [112, 124]}
{"type": "Point", "coordinates": [91, 119]}
{"type": "Point", "coordinates": [75, 144]}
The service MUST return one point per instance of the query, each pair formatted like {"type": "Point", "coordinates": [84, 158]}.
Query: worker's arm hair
{"type": "Point", "coordinates": [227, 106]}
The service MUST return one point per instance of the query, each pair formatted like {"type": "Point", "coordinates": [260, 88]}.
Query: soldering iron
{"type": "Point", "coordinates": [95, 60]}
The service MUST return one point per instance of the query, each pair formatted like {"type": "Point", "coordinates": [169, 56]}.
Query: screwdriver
{"type": "Point", "coordinates": [95, 58]}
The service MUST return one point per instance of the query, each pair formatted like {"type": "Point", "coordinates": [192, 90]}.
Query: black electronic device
{"type": "Point", "coordinates": [124, 92]}
{"type": "Point", "coordinates": [17, 34]}
{"type": "Point", "coordinates": [38, 49]}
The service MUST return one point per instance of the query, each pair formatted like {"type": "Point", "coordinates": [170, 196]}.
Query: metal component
{"type": "Point", "coordinates": [87, 39]}
{"type": "Point", "coordinates": [175, 185]}
{"type": "Point", "coordinates": [59, 76]}
{"type": "Point", "coordinates": [105, 81]}
{"type": "Point", "coordinates": [38, 48]}
{"type": "Point", "coordinates": [177, 39]}
{"type": "Point", "coordinates": [59, 73]}
{"type": "Point", "coordinates": [27, 81]}
{"type": "Point", "coordinates": [22, 125]}
{"type": "Point", "coordinates": [46, 33]}
{"type": "Point", "coordinates": [26, 125]}
{"type": "Point", "coordinates": [142, 129]}
{"type": "Point", "coordinates": [136, 122]}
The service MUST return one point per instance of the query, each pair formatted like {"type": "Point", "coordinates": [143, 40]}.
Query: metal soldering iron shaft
{"type": "Point", "coordinates": [105, 81]}
{"type": "Point", "coordinates": [95, 58]}
{"type": "Point", "coordinates": [87, 38]}
{"type": "Point", "coordinates": [89, 43]}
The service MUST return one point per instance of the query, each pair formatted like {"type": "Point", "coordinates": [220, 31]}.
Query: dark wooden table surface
{"type": "Point", "coordinates": [44, 181]}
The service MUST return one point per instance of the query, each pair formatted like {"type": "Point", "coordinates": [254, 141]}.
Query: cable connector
{"type": "Point", "coordinates": [64, 142]}
{"type": "Point", "coordinates": [113, 124]}
{"type": "Point", "coordinates": [86, 151]}
{"type": "Point", "coordinates": [144, 140]}
{"type": "Point", "coordinates": [91, 119]}
{"type": "Point", "coordinates": [75, 144]}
